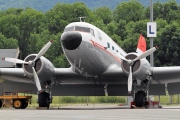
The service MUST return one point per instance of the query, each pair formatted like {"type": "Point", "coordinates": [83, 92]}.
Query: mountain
{"type": "Point", "coordinates": [45, 5]}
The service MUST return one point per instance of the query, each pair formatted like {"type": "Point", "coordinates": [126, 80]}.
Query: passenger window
{"type": "Point", "coordinates": [99, 35]}
{"type": "Point", "coordinates": [112, 48]}
{"type": "Point", "coordinates": [116, 50]}
{"type": "Point", "coordinates": [108, 45]}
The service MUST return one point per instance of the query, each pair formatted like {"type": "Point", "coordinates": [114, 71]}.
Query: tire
{"type": "Point", "coordinates": [17, 104]}
{"type": "Point", "coordinates": [25, 104]}
{"type": "Point", "coordinates": [43, 99]}
{"type": "Point", "coordinates": [1, 103]}
{"type": "Point", "coordinates": [140, 100]}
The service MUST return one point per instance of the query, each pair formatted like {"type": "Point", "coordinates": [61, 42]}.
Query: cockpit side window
{"type": "Point", "coordinates": [83, 29]}
{"type": "Point", "coordinates": [99, 35]}
{"type": "Point", "coordinates": [92, 32]}
{"type": "Point", "coordinates": [69, 29]}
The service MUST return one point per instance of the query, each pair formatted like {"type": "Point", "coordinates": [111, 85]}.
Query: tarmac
{"type": "Point", "coordinates": [91, 113]}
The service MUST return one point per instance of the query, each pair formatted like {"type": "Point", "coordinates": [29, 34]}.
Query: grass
{"type": "Point", "coordinates": [165, 100]}
{"type": "Point", "coordinates": [84, 100]}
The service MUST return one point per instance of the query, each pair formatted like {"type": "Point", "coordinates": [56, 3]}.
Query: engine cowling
{"type": "Point", "coordinates": [140, 68]}
{"type": "Point", "coordinates": [44, 68]}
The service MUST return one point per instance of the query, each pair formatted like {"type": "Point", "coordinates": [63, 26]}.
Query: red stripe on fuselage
{"type": "Point", "coordinates": [101, 47]}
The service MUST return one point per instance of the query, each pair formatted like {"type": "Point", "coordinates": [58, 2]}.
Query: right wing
{"type": "Point", "coordinates": [15, 75]}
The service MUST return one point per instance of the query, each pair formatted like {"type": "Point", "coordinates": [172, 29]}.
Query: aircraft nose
{"type": "Point", "coordinates": [71, 40]}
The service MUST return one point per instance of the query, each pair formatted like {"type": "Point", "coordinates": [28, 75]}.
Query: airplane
{"type": "Point", "coordinates": [99, 67]}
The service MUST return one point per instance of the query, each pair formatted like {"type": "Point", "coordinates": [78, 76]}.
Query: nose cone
{"type": "Point", "coordinates": [71, 40]}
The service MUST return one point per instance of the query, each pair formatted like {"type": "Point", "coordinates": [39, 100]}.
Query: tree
{"type": "Point", "coordinates": [168, 11]}
{"type": "Point", "coordinates": [8, 43]}
{"type": "Point", "coordinates": [104, 13]}
{"type": "Point", "coordinates": [168, 52]}
{"type": "Point", "coordinates": [128, 11]}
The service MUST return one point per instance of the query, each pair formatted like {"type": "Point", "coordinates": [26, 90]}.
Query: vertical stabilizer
{"type": "Point", "coordinates": [141, 47]}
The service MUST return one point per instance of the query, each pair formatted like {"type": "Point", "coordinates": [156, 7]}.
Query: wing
{"type": "Point", "coordinates": [15, 75]}
{"type": "Point", "coordinates": [114, 75]}
{"type": "Point", "coordinates": [68, 76]}
{"type": "Point", "coordinates": [166, 74]}
{"type": "Point", "coordinates": [14, 79]}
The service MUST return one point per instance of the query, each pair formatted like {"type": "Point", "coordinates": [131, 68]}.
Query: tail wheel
{"type": "Point", "coordinates": [17, 104]}
{"type": "Point", "coordinates": [25, 104]}
{"type": "Point", "coordinates": [140, 99]}
{"type": "Point", "coordinates": [43, 99]}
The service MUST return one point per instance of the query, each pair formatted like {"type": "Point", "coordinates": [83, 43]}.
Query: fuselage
{"type": "Point", "coordinates": [89, 50]}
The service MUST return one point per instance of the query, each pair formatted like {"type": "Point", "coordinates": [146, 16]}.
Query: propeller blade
{"type": "Point", "coordinates": [123, 58]}
{"type": "Point", "coordinates": [145, 54]}
{"type": "Point", "coordinates": [36, 79]}
{"type": "Point", "coordinates": [14, 60]}
{"type": "Point", "coordinates": [130, 80]}
{"type": "Point", "coordinates": [43, 50]}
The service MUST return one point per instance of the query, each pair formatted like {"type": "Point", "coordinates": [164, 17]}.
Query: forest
{"type": "Point", "coordinates": [30, 29]}
{"type": "Point", "coordinates": [45, 5]}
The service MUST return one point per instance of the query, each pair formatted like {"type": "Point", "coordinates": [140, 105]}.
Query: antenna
{"type": "Point", "coordinates": [82, 19]}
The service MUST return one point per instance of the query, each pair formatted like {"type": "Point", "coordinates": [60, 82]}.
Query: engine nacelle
{"type": "Point", "coordinates": [44, 68]}
{"type": "Point", "coordinates": [140, 68]}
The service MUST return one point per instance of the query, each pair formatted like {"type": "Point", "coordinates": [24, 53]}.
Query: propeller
{"type": "Point", "coordinates": [14, 60]}
{"type": "Point", "coordinates": [131, 62]}
{"type": "Point", "coordinates": [32, 63]}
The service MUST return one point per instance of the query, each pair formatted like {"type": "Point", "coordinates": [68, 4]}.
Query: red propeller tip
{"type": "Point", "coordinates": [3, 58]}
{"type": "Point", "coordinates": [129, 92]}
{"type": "Point", "coordinates": [51, 41]}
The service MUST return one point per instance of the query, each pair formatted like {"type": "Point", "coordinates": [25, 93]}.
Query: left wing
{"type": "Point", "coordinates": [166, 74]}
{"type": "Point", "coordinates": [160, 75]}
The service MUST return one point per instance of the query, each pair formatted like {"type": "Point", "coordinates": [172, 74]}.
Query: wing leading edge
{"type": "Point", "coordinates": [166, 74]}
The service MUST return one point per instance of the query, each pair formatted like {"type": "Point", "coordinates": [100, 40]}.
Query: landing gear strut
{"type": "Point", "coordinates": [45, 97]}
{"type": "Point", "coordinates": [141, 95]}
{"type": "Point", "coordinates": [140, 99]}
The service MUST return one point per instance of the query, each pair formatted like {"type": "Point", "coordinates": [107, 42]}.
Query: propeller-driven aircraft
{"type": "Point", "coordinates": [98, 67]}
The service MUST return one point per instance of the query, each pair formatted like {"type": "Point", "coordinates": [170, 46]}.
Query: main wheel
{"type": "Point", "coordinates": [43, 99]}
{"type": "Point", "coordinates": [17, 104]}
{"type": "Point", "coordinates": [140, 99]}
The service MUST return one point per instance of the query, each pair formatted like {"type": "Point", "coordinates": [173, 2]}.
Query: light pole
{"type": "Point", "coordinates": [151, 38]}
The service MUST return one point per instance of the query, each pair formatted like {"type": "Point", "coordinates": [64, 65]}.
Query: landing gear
{"type": "Point", "coordinates": [140, 99]}
{"type": "Point", "coordinates": [44, 99]}
{"type": "Point", "coordinates": [141, 94]}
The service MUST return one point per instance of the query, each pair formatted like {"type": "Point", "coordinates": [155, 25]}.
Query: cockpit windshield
{"type": "Point", "coordinates": [77, 28]}
{"type": "Point", "coordinates": [82, 29]}
{"type": "Point", "coordinates": [69, 29]}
